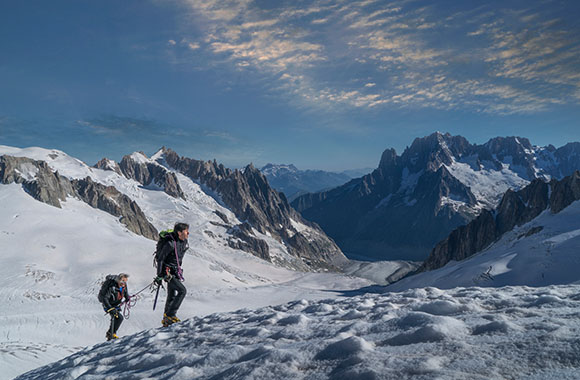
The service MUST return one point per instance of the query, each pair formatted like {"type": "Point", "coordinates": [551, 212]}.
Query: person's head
{"type": "Point", "coordinates": [182, 230]}
{"type": "Point", "coordinates": [122, 278]}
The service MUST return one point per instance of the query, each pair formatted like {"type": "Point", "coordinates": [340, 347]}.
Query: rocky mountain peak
{"type": "Point", "coordinates": [440, 182]}
{"type": "Point", "coordinates": [515, 151]}
{"type": "Point", "coordinates": [518, 148]}
{"type": "Point", "coordinates": [509, 144]}
{"type": "Point", "coordinates": [251, 168]}
{"type": "Point", "coordinates": [107, 164]}
{"type": "Point", "coordinates": [389, 159]}
{"type": "Point", "coordinates": [430, 152]}
{"type": "Point", "coordinates": [249, 196]}
{"type": "Point", "coordinates": [147, 172]}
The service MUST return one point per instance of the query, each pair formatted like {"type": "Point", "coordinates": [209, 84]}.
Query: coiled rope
{"type": "Point", "coordinates": [132, 301]}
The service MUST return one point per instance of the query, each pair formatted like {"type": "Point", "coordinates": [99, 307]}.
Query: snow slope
{"type": "Point", "coordinates": [52, 262]}
{"type": "Point", "coordinates": [549, 255]}
{"type": "Point", "coordinates": [465, 333]}
{"type": "Point", "coordinates": [487, 185]}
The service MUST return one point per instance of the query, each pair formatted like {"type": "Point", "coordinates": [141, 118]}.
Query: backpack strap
{"type": "Point", "coordinates": [179, 270]}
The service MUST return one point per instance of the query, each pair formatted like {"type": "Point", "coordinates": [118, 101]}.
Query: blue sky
{"type": "Point", "coordinates": [321, 84]}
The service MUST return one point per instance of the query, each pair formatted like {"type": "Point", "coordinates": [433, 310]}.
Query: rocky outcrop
{"type": "Point", "coordinates": [412, 201]}
{"type": "Point", "coordinates": [249, 196]}
{"type": "Point", "coordinates": [106, 164]}
{"type": "Point", "coordinates": [50, 187]}
{"type": "Point", "coordinates": [568, 159]}
{"type": "Point", "coordinates": [565, 192]}
{"type": "Point", "coordinates": [243, 238]}
{"type": "Point", "coordinates": [149, 173]}
{"type": "Point", "coordinates": [36, 178]}
{"type": "Point", "coordinates": [515, 209]}
{"type": "Point", "coordinates": [110, 200]}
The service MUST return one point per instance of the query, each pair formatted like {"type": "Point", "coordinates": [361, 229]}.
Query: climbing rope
{"type": "Point", "coordinates": [132, 301]}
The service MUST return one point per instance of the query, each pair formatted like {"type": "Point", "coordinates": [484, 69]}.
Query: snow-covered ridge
{"type": "Point", "coordinates": [146, 180]}
{"type": "Point", "coordinates": [465, 333]}
{"type": "Point", "coordinates": [57, 160]}
{"type": "Point", "coordinates": [276, 170]}
{"type": "Point", "coordinates": [539, 253]}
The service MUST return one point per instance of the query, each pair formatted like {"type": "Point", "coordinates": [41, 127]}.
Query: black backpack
{"type": "Point", "coordinates": [110, 280]}
{"type": "Point", "coordinates": [164, 236]}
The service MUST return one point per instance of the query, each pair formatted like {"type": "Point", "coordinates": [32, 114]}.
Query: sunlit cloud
{"type": "Point", "coordinates": [485, 59]}
{"type": "Point", "coordinates": [193, 45]}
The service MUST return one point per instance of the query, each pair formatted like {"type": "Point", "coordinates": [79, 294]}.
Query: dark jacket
{"type": "Point", "coordinates": [111, 295]}
{"type": "Point", "coordinates": [168, 258]}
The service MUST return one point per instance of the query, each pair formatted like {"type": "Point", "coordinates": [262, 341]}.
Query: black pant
{"type": "Point", "coordinates": [115, 323]}
{"type": "Point", "coordinates": [175, 295]}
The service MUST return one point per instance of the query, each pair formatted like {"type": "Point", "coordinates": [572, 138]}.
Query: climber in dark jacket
{"type": "Point", "coordinates": [169, 269]}
{"type": "Point", "coordinates": [112, 293]}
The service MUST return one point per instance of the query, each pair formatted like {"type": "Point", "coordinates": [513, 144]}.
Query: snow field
{"type": "Point", "coordinates": [464, 333]}
{"type": "Point", "coordinates": [53, 260]}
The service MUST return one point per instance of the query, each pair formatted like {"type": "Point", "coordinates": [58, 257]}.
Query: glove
{"type": "Point", "coordinates": [114, 312]}
{"type": "Point", "coordinates": [158, 280]}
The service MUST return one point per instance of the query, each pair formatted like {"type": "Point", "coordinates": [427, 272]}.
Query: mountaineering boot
{"type": "Point", "coordinates": [167, 320]}
{"type": "Point", "coordinates": [109, 337]}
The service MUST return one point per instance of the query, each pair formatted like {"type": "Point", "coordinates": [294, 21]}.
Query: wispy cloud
{"type": "Point", "coordinates": [489, 58]}
{"type": "Point", "coordinates": [220, 135]}
{"type": "Point", "coordinates": [113, 125]}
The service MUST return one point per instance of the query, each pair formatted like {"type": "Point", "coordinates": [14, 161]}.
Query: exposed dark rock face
{"type": "Point", "coordinates": [396, 212]}
{"type": "Point", "coordinates": [243, 238]}
{"type": "Point", "coordinates": [106, 164]}
{"type": "Point", "coordinates": [51, 188]}
{"type": "Point", "coordinates": [147, 173]}
{"type": "Point", "coordinates": [249, 196]}
{"type": "Point", "coordinates": [565, 192]}
{"type": "Point", "coordinates": [515, 209]}
{"type": "Point", "coordinates": [109, 199]}
{"type": "Point", "coordinates": [411, 202]}
{"type": "Point", "coordinates": [568, 158]}
{"type": "Point", "coordinates": [46, 186]}
{"type": "Point", "coordinates": [222, 216]}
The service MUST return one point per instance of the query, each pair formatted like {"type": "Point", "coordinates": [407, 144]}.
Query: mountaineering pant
{"type": "Point", "coordinates": [116, 322]}
{"type": "Point", "coordinates": [175, 294]}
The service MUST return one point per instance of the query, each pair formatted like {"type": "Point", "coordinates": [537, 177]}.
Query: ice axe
{"type": "Point", "coordinates": [156, 295]}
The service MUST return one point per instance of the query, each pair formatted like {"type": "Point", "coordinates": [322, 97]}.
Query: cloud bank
{"type": "Point", "coordinates": [494, 58]}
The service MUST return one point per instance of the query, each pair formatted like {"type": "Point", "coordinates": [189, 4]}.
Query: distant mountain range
{"type": "Point", "coordinates": [294, 182]}
{"type": "Point", "coordinates": [413, 201]}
